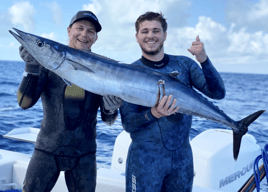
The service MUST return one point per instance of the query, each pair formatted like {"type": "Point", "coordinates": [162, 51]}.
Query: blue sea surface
{"type": "Point", "coordinates": [245, 94]}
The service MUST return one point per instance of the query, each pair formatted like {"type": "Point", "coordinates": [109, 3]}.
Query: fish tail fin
{"type": "Point", "coordinates": [243, 127]}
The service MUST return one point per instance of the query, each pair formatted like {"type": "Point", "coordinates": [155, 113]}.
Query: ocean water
{"type": "Point", "coordinates": [245, 94]}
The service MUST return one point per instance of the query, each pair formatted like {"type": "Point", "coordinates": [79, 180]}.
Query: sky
{"type": "Point", "coordinates": [234, 32]}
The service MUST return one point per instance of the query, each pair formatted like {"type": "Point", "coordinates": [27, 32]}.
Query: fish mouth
{"type": "Point", "coordinates": [46, 52]}
{"type": "Point", "coordinates": [22, 38]}
{"type": "Point", "coordinates": [17, 36]}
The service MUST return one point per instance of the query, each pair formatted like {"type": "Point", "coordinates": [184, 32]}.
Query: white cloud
{"type": "Point", "coordinates": [247, 43]}
{"type": "Point", "coordinates": [246, 14]}
{"type": "Point", "coordinates": [243, 39]}
{"type": "Point", "coordinates": [211, 33]}
{"type": "Point", "coordinates": [51, 36]}
{"type": "Point", "coordinates": [95, 7]}
{"type": "Point", "coordinates": [224, 45]}
{"type": "Point", "coordinates": [207, 29]}
{"type": "Point", "coordinates": [10, 45]}
{"type": "Point", "coordinates": [258, 11]}
{"type": "Point", "coordinates": [21, 13]}
{"type": "Point", "coordinates": [235, 43]}
{"type": "Point", "coordinates": [118, 18]}
{"type": "Point", "coordinates": [127, 11]}
{"type": "Point", "coordinates": [56, 13]}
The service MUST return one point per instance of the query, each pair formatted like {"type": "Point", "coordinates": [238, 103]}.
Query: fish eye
{"type": "Point", "coordinates": [39, 43]}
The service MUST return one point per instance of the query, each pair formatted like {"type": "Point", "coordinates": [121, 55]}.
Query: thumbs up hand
{"type": "Point", "coordinates": [198, 50]}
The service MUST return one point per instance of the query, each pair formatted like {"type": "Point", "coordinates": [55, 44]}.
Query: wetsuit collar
{"type": "Point", "coordinates": [155, 64]}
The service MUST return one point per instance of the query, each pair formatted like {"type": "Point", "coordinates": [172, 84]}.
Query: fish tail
{"type": "Point", "coordinates": [243, 127]}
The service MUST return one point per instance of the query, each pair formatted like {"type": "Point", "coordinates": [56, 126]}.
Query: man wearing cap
{"type": "Point", "coordinates": [67, 138]}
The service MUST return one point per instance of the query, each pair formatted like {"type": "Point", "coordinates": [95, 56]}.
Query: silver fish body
{"type": "Point", "coordinates": [133, 84]}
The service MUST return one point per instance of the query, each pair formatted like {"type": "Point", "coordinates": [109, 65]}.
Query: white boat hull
{"type": "Point", "coordinates": [215, 169]}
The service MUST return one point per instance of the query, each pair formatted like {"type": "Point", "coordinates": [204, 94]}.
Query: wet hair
{"type": "Point", "coordinates": [150, 16]}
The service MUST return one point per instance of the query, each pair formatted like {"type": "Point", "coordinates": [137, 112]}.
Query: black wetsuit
{"type": "Point", "coordinates": [66, 141]}
{"type": "Point", "coordinates": [160, 155]}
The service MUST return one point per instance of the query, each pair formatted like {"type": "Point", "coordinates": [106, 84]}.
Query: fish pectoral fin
{"type": "Point", "coordinates": [174, 74]}
{"type": "Point", "coordinates": [78, 66]}
{"type": "Point", "coordinates": [67, 82]}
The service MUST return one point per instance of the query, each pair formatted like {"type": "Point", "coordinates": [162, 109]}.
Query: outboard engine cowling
{"type": "Point", "coordinates": [214, 165]}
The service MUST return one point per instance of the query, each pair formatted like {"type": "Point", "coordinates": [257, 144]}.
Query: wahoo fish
{"type": "Point", "coordinates": [137, 85]}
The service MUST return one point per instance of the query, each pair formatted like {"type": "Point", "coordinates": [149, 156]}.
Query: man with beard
{"type": "Point", "coordinates": [67, 138]}
{"type": "Point", "coordinates": [160, 155]}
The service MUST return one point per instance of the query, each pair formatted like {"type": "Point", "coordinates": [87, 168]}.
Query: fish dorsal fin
{"type": "Point", "coordinates": [174, 74]}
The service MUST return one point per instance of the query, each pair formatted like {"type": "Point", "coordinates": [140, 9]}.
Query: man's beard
{"type": "Point", "coordinates": [153, 52]}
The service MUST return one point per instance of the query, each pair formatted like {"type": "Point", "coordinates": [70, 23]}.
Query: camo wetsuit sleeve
{"type": "Point", "coordinates": [135, 117]}
{"type": "Point", "coordinates": [207, 80]}
{"type": "Point", "coordinates": [107, 117]}
{"type": "Point", "coordinates": [31, 87]}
